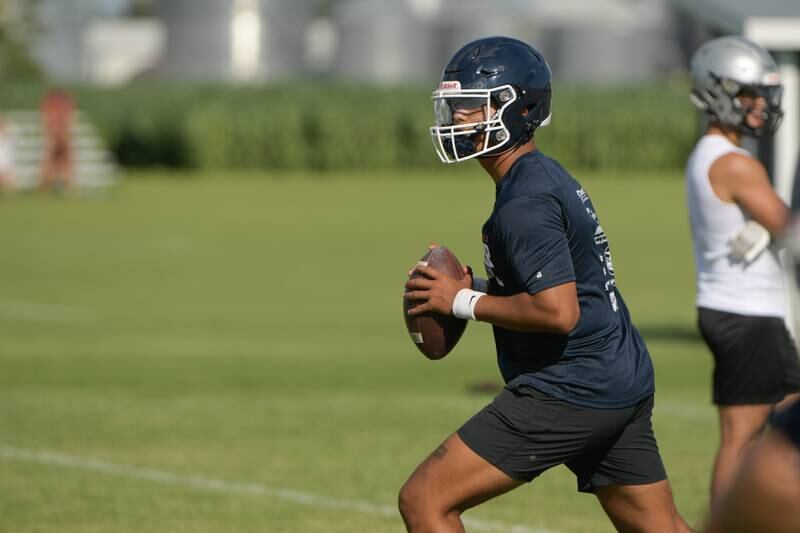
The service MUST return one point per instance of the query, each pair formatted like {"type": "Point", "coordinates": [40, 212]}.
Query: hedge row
{"type": "Point", "coordinates": [336, 127]}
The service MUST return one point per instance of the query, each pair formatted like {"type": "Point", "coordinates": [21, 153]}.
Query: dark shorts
{"type": "Point", "coordinates": [755, 359]}
{"type": "Point", "coordinates": [524, 432]}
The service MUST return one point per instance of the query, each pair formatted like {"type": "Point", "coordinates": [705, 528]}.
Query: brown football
{"type": "Point", "coordinates": [435, 334]}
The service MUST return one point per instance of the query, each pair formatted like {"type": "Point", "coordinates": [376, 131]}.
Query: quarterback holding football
{"type": "Point", "coordinates": [578, 377]}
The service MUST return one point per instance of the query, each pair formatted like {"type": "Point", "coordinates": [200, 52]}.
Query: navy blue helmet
{"type": "Point", "coordinates": [505, 78]}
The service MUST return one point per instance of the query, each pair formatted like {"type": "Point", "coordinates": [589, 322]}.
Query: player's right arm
{"type": "Point", "coordinates": [553, 310]}
{"type": "Point", "coordinates": [742, 179]}
{"type": "Point", "coordinates": [531, 233]}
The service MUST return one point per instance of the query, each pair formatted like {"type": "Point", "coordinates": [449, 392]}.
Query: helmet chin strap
{"type": "Point", "coordinates": [501, 152]}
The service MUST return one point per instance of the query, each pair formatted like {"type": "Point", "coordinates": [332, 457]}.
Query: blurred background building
{"type": "Point", "coordinates": [115, 41]}
{"type": "Point", "coordinates": [391, 42]}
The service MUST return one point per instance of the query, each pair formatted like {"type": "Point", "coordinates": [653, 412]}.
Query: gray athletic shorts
{"type": "Point", "coordinates": [524, 432]}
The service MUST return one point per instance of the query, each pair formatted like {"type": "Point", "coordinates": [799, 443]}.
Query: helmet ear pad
{"type": "Point", "coordinates": [522, 117]}
{"type": "Point", "coordinates": [721, 102]}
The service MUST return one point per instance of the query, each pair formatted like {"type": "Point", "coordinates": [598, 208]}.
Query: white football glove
{"type": "Point", "coordinates": [749, 243]}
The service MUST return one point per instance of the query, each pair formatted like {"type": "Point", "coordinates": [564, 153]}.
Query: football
{"type": "Point", "coordinates": [434, 334]}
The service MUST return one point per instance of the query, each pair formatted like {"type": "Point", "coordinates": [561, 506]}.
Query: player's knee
{"type": "Point", "coordinates": [416, 506]}
{"type": "Point", "coordinates": [409, 501]}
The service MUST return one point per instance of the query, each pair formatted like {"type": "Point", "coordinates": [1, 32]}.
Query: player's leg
{"type": "Point", "coordinates": [66, 169]}
{"type": "Point", "coordinates": [791, 363]}
{"type": "Point", "coordinates": [642, 508]}
{"type": "Point", "coordinates": [451, 480]}
{"type": "Point", "coordinates": [628, 477]}
{"type": "Point", "coordinates": [47, 172]}
{"type": "Point", "coordinates": [740, 425]}
{"type": "Point", "coordinates": [522, 433]}
{"type": "Point", "coordinates": [750, 376]}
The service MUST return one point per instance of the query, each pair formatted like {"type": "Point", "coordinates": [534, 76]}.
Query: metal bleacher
{"type": "Point", "coordinates": [94, 164]}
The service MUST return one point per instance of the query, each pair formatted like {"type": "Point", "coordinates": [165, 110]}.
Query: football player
{"type": "Point", "coordinates": [57, 172]}
{"type": "Point", "coordinates": [578, 376]}
{"type": "Point", "coordinates": [735, 214]}
{"type": "Point", "coordinates": [764, 495]}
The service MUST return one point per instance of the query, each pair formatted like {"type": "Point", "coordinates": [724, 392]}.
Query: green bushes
{"type": "Point", "coordinates": [627, 129]}
{"type": "Point", "coordinates": [323, 126]}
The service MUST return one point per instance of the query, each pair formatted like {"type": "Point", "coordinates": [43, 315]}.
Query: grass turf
{"type": "Point", "coordinates": [250, 330]}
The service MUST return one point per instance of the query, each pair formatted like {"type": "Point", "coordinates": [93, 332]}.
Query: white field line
{"type": "Point", "coordinates": [42, 312]}
{"type": "Point", "coordinates": [11, 453]}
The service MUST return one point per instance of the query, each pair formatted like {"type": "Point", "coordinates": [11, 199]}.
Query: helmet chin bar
{"type": "Point", "coordinates": [457, 142]}
{"type": "Point", "coordinates": [772, 118]}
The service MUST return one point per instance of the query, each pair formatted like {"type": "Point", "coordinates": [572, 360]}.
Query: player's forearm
{"type": "Point", "coordinates": [768, 210]}
{"type": "Point", "coordinates": [525, 312]}
{"type": "Point", "coordinates": [776, 223]}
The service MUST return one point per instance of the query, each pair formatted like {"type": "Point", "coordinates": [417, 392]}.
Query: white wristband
{"type": "Point", "coordinates": [480, 284]}
{"type": "Point", "coordinates": [464, 303]}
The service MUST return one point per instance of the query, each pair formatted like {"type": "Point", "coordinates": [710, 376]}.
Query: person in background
{"type": "Point", "coordinates": [735, 215]}
{"type": "Point", "coordinates": [764, 496]}
{"type": "Point", "coordinates": [57, 173]}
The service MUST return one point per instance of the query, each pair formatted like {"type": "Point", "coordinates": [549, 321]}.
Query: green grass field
{"type": "Point", "coordinates": [228, 354]}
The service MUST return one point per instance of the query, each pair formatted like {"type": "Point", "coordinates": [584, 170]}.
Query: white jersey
{"type": "Point", "coordinates": [755, 289]}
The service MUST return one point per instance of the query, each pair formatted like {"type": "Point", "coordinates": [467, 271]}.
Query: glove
{"type": "Point", "coordinates": [749, 243]}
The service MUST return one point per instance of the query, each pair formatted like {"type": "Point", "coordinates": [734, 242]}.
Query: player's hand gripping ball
{"type": "Point", "coordinates": [435, 334]}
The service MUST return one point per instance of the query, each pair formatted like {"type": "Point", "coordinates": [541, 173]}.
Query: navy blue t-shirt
{"type": "Point", "coordinates": [544, 232]}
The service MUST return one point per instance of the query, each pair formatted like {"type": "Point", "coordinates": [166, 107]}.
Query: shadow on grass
{"type": "Point", "coordinates": [670, 332]}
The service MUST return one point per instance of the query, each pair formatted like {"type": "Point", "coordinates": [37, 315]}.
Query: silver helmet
{"type": "Point", "coordinates": [728, 67]}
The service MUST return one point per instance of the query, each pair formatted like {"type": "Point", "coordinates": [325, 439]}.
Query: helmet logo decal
{"type": "Point", "coordinates": [450, 86]}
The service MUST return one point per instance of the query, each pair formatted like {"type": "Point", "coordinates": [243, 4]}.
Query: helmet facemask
{"type": "Point", "coordinates": [458, 142]}
{"type": "Point", "coordinates": [772, 113]}
{"type": "Point", "coordinates": [724, 103]}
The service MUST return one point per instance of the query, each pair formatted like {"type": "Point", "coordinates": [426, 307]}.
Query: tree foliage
{"type": "Point", "coordinates": [17, 29]}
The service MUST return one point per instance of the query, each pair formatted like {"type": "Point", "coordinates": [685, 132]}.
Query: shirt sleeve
{"type": "Point", "coordinates": [533, 232]}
